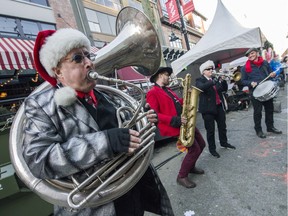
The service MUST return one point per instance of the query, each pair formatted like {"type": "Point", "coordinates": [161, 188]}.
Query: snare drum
{"type": "Point", "coordinates": [266, 90]}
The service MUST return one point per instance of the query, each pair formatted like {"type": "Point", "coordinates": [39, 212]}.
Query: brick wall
{"type": "Point", "coordinates": [63, 14]}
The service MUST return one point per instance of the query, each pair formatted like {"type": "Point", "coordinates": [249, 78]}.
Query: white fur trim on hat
{"type": "Point", "coordinates": [58, 45]}
{"type": "Point", "coordinates": [206, 65]}
{"type": "Point", "coordinates": [65, 96]}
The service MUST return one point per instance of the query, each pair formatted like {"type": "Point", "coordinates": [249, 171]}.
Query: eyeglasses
{"type": "Point", "coordinates": [209, 69]}
{"type": "Point", "coordinates": [79, 57]}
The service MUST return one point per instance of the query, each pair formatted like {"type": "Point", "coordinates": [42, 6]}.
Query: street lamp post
{"type": "Point", "coordinates": [183, 25]}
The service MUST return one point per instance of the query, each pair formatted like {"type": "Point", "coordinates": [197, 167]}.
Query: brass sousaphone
{"type": "Point", "coordinates": [136, 45]}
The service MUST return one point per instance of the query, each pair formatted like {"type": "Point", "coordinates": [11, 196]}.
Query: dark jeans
{"type": "Point", "coordinates": [192, 155]}
{"type": "Point", "coordinates": [257, 115]}
{"type": "Point", "coordinates": [209, 123]}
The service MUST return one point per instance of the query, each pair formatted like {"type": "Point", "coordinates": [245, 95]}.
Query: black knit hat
{"type": "Point", "coordinates": [250, 50]}
{"type": "Point", "coordinates": [161, 70]}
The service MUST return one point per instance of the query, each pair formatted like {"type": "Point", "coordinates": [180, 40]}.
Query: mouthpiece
{"type": "Point", "coordinates": [92, 75]}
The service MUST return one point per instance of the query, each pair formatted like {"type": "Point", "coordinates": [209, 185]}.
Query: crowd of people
{"type": "Point", "coordinates": [71, 127]}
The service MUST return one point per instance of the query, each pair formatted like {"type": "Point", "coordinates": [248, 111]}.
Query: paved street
{"type": "Point", "coordinates": [249, 181]}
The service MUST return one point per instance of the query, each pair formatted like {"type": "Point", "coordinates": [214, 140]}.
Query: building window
{"type": "Point", "coordinates": [45, 26]}
{"type": "Point", "coordinates": [198, 22]}
{"type": "Point", "coordinates": [191, 45]}
{"type": "Point", "coordinates": [114, 4]}
{"type": "Point", "coordinates": [14, 27]}
{"type": "Point", "coordinates": [40, 2]}
{"type": "Point", "coordinates": [30, 29]}
{"type": "Point", "coordinates": [177, 43]}
{"type": "Point", "coordinates": [136, 4]}
{"type": "Point", "coordinates": [8, 27]}
{"type": "Point", "coordinates": [101, 22]}
{"type": "Point", "coordinates": [100, 44]}
{"type": "Point", "coordinates": [163, 7]}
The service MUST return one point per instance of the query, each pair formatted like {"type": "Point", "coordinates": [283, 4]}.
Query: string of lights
{"type": "Point", "coordinates": [35, 79]}
{"type": "Point", "coordinates": [11, 79]}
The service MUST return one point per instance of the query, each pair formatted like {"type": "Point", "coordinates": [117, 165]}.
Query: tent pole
{"type": "Point", "coordinates": [183, 25]}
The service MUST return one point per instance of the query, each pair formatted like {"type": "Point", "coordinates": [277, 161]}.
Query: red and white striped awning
{"type": "Point", "coordinates": [93, 49]}
{"type": "Point", "coordinates": [16, 54]}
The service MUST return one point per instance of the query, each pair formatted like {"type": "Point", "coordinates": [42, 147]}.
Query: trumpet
{"type": "Point", "coordinates": [236, 76]}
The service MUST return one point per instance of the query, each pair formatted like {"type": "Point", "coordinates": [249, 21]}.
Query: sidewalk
{"type": "Point", "coordinates": [249, 181]}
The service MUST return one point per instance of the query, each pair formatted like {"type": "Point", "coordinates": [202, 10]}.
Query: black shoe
{"type": "Point", "coordinates": [261, 134]}
{"type": "Point", "coordinates": [229, 146]}
{"type": "Point", "coordinates": [215, 154]}
{"type": "Point", "coordinates": [274, 130]}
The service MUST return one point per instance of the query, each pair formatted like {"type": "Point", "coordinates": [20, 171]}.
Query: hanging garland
{"type": "Point", "coordinates": [16, 75]}
{"type": "Point", "coordinates": [8, 81]}
{"type": "Point", "coordinates": [36, 77]}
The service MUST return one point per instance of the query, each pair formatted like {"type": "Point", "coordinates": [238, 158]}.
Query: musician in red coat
{"type": "Point", "coordinates": [168, 107]}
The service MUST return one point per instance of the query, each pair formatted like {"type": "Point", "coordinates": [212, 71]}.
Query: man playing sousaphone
{"type": "Point", "coordinates": [253, 72]}
{"type": "Point", "coordinates": [71, 127]}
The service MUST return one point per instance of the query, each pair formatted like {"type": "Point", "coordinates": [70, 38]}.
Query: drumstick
{"type": "Point", "coordinates": [282, 65]}
{"type": "Point", "coordinates": [264, 79]}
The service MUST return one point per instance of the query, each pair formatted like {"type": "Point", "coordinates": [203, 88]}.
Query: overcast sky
{"type": "Point", "coordinates": [272, 18]}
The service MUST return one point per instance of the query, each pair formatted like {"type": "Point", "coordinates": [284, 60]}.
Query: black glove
{"type": "Point", "coordinates": [176, 122]}
{"type": "Point", "coordinates": [146, 107]}
{"type": "Point", "coordinates": [119, 139]}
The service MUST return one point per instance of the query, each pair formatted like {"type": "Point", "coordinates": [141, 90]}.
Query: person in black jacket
{"type": "Point", "coordinates": [252, 73]}
{"type": "Point", "coordinates": [211, 106]}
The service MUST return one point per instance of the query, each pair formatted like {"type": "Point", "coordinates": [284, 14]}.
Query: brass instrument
{"type": "Point", "coordinates": [136, 45]}
{"type": "Point", "coordinates": [236, 76]}
{"type": "Point", "coordinates": [190, 106]}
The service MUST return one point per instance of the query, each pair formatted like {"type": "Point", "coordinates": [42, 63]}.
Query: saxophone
{"type": "Point", "coordinates": [190, 105]}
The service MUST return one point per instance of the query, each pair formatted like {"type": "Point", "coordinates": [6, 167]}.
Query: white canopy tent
{"type": "Point", "coordinates": [225, 40]}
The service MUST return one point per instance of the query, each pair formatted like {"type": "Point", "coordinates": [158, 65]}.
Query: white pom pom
{"type": "Point", "coordinates": [65, 96]}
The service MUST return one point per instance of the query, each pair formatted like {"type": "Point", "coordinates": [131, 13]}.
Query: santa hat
{"type": "Point", "coordinates": [206, 65]}
{"type": "Point", "coordinates": [50, 47]}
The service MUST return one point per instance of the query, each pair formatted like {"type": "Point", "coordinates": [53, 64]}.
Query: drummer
{"type": "Point", "coordinates": [253, 72]}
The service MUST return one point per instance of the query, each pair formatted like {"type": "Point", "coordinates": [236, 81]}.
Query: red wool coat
{"type": "Point", "coordinates": [164, 106]}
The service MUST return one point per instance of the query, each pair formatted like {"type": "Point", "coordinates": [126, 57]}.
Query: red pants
{"type": "Point", "coordinates": [192, 155]}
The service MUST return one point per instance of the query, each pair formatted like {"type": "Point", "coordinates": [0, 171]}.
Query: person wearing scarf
{"type": "Point", "coordinates": [253, 72]}
{"type": "Point", "coordinates": [71, 128]}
